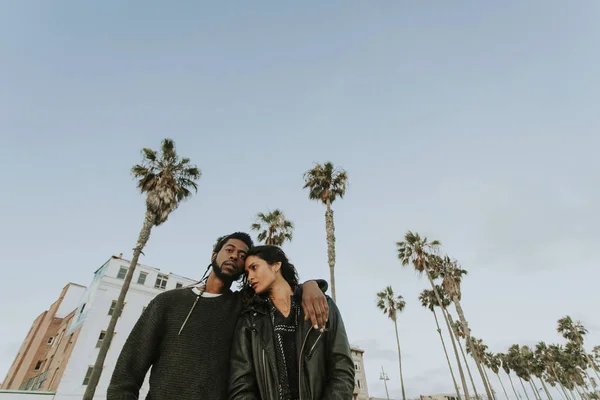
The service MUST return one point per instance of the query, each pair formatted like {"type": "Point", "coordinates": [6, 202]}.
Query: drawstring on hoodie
{"type": "Point", "coordinates": [201, 292]}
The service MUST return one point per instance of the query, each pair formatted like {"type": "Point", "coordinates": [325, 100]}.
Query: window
{"type": "Point", "coordinates": [113, 305]}
{"type": "Point", "coordinates": [161, 281]}
{"type": "Point", "coordinates": [68, 343]}
{"type": "Point", "coordinates": [122, 273]}
{"type": "Point", "coordinates": [100, 339]}
{"type": "Point", "coordinates": [357, 366]}
{"type": "Point", "coordinates": [359, 384]}
{"type": "Point", "coordinates": [88, 375]}
{"type": "Point", "coordinates": [50, 340]}
{"type": "Point", "coordinates": [142, 278]}
{"type": "Point", "coordinates": [179, 284]}
{"type": "Point", "coordinates": [38, 365]}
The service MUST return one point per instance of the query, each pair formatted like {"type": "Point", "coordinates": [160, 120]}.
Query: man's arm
{"type": "Point", "coordinates": [340, 385]}
{"type": "Point", "coordinates": [242, 378]}
{"type": "Point", "coordinates": [137, 354]}
{"type": "Point", "coordinates": [314, 302]}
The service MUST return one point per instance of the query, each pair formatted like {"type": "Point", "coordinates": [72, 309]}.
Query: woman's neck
{"type": "Point", "coordinates": [280, 295]}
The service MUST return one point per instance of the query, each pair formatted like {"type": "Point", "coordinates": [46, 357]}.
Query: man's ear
{"type": "Point", "coordinates": [214, 256]}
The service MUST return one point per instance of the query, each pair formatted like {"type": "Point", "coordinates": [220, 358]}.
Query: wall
{"type": "Point", "coordinates": [104, 289]}
{"type": "Point", "coordinates": [359, 370]}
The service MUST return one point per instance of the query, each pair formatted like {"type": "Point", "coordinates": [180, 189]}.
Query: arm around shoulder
{"type": "Point", "coordinates": [341, 384]}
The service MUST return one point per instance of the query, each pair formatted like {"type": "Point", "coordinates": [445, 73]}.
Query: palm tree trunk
{"type": "Point", "coordinates": [523, 385]}
{"type": "Point", "coordinates": [502, 384]}
{"type": "Point", "coordinates": [513, 386]}
{"type": "Point", "coordinates": [99, 364]}
{"type": "Point", "coordinates": [446, 353]}
{"type": "Point", "coordinates": [559, 382]}
{"type": "Point", "coordinates": [460, 370]}
{"type": "Point", "coordinates": [330, 229]}
{"type": "Point", "coordinates": [546, 389]}
{"type": "Point", "coordinates": [535, 391]}
{"type": "Point", "coordinates": [467, 331]}
{"type": "Point", "coordinates": [464, 357]}
{"type": "Point", "coordinates": [489, 383]}
{"type": "Point", "coordinates": [399, 360]}
{"type": "Point", "coordinates": [559, 389]}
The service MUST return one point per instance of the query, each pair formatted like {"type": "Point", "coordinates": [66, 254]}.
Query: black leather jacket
{"type": "Point", "coordinates": [326, 369]}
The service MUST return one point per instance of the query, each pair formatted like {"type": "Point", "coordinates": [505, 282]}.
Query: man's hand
{"type": "Point", "coordinates": [315, 305]}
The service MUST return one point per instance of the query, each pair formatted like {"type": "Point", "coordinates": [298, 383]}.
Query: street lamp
{"type": "Point", "coordinates": [383, 377]}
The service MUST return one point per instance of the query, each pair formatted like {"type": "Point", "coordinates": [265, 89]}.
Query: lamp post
{"type": "Point", "coordinates": [383, 377]}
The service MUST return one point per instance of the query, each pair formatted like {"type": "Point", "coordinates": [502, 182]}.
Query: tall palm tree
{"type": "Point", "coordinates": [528, 358]}
{"type": "Point", "coordinates": [494, 362]}
{"type": "Point", "coordinates": [554, 355]}
{"type": "Point", "coordinates": [460, 334]}
{"type": "Point", "coordinates": [506, 367]}
{"type": "Point", "coordinates": [540, 366]}
{"type": "Point", "coordinates": [326, 184]}
{"type": "Point", "coordinates": [481, 348]}
{"type": "Point", "coordinates": [167, 180]}
{"type": "Point", "coordinates": [516, 363]}
{"type": "Point", "coordinates": [391, 305]}
{"type": "Point", "coordinates": [421, 254]}
{"type": "Point", "coordinates": [274, 229]}
{"type": "Point", "coordinates": [574, 332]}
{"type": "Point", "coordinates": [452, 278]}
{"type": "Point", "coordinates": [428, 300]}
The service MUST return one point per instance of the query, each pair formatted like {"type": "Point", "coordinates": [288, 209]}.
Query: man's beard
{"type": "Point", "coordinates": [226, 278]}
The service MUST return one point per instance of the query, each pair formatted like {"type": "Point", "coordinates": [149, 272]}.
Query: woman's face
{"type": "Point", "coordinates": [261, 275]}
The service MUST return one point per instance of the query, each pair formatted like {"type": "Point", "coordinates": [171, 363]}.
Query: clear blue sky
{"type": "Point", "coordinates": [470, 122]}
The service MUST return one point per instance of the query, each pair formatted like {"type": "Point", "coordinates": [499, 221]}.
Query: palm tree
{"type": "Point", "coordinates": [506, 367]}
{"type": "Point", "coordinates": [528, 358]}
{"type": "Point", "coordinates": [421, 254]}
{"type": "Point", "coordinates": [540, 366]}
{"type": "Point", "coordinates": [554, 355]}
{"type": "Point", "coordinates": [274, 229]}
{"type": "Point", "coordinates": [326, 183]}
{"type": "Point", "coordinates": [480, 349]}
{"type": "Point", "coordinates": [460, 333]}
{"type": "Point", "coordinates": [574, 332]}
{"type": "Point", "coordinates": [515, 361]}
{"type": "Point", "coordinates": [392, 305]}
{"type": "Point", "coordinates": [166, 180]}
{"type": "Point", "coordinates": [494, 362]}
{"type": "Point", "coordinates": [452, 278]}
{"type": "Point", "coordinates": [428, 300]}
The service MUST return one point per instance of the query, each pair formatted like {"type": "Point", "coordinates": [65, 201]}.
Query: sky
{"type": "Point", "coordinates": [473, 123]}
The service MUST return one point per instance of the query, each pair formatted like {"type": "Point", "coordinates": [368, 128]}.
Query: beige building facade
{"type": "Point", "coordinates": [44, 350]}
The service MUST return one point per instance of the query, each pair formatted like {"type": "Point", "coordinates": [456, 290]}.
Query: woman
{"type": "Point", "coordinates": [276, 354]}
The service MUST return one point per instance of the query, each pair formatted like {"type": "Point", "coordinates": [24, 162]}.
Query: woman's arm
{"type": "Point", "coordinates": [341, 367]}
{"type": "Point", "coordinates": [242, 382]}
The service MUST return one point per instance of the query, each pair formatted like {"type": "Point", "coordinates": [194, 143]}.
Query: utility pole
{"type": "Point", "coordinates": [383, 377]}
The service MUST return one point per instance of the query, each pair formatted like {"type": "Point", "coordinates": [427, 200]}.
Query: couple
{"type": "Point", "coordinates": [198, 349]}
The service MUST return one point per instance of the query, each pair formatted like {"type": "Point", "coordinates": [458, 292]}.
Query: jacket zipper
{"type": "Point", "coordinates": [264, 362]}
{"type": "Point", "coordinates": [300, 365]}
{"type": "Point", "coordinates": [314, 345]}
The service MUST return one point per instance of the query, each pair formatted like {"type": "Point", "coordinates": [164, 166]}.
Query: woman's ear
{"type": "Point", "coordinates": [277, 267]}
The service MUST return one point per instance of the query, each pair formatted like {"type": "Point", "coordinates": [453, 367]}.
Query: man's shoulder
{"type": "Point", "coordinates": [173, 295]}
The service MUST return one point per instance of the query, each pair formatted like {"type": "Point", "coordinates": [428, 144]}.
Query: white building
{"type": "Point", "coordinates": [93, 314]}
{"type": "Point", "coordinates": [360, 378]}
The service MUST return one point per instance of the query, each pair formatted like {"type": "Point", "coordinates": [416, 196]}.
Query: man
{"type": "Point", "coordinates": [186, 334]}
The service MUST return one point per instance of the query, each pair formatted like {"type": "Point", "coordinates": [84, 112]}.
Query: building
{"type": "Point", "coordinates": [360, 380]}
{"type": "Point", "coordinates": [65, 364]}
{"type": "Point", "coordinates": [40, 361]}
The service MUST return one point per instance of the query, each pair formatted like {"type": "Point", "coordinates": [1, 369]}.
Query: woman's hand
{"type": "Point", "coordinates": [315, 305]}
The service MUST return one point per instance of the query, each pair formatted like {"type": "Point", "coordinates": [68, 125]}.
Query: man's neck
{"type": "Point", "coordinates": [215, 285]}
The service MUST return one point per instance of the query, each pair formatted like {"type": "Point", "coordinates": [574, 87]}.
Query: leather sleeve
{"type": "Point", "coordinates": [242, 381]}
{"type": "Point", "coordinates": [323, 285]}
{"type": "Point", "coordinates": [341, 384]}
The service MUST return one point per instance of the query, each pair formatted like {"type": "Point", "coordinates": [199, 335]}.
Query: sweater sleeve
{"type": "Point", "coordinates": [341, 384]}
{"type": "Point", "coordinates": [242, 382]}
{"type": "Point", "coordinates": [137, 354]}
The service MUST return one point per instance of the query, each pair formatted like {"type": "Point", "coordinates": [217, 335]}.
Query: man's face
{"type": "Point", "coordinates": [228, 263]}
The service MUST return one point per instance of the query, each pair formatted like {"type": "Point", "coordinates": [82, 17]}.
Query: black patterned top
{"type": "Point", "coordinates": [284, 334]}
